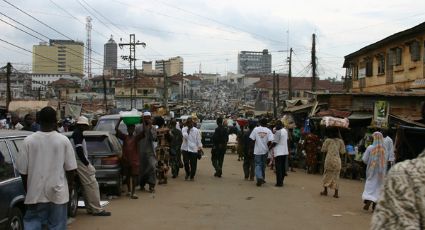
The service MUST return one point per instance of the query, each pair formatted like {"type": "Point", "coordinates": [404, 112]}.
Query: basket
{"type": "Point", "coordinates": [131, 117]}
{"type": "Point", "coordinates": [131, 120]}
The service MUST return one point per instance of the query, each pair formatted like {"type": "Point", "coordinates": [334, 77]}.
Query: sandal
{"type": "Point", "coordinates": [134, 197]}
{"type": "Point", "coordinates": [323, 193]}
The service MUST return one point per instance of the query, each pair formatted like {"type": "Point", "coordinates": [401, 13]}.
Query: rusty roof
{"type": "Point", "coordinates": [140, 82]}
{"type": "Point", "coordinates": [299, 83]}
{"type": "Point", "coordinates": [411, 32]}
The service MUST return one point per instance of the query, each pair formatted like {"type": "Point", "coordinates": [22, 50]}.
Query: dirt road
{"type": "Point", "coordinates": [232, 203]}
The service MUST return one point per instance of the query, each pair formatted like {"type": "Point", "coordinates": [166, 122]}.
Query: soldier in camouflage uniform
{"type": "Point", "coordinates": [162, 150]}
{"type": "Point", "coordinates": [175, 145]}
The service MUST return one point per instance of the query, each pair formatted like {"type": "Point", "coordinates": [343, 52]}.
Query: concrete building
{"type": "Point", "coordinates": [110, 54]}
{"type": "Point", "coordinates": [171, 66]}
{"type": "Point", "coordinates": [145, 91]}
{"type": "Point", "coordinates": [147, 67]}
{"type": "Point", "coordinates": [20, 85]}
{"type": "Point", "coordinates": [58, 57]}
{"type": "Point", "coordinates": [395, 63]}
{"type": "Point", "coordinates": [251, 62]}
{"type": "Point", "coordinates": [41, 82]}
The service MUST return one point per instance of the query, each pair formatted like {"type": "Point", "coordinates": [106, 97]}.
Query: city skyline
{"type": "Point", "coordinates": [212, 33]}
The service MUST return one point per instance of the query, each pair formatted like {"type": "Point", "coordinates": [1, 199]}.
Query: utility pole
{"type": "Point", "coordinates": [8, 92]}
{"type": "Point", "coordinates": [182, 89]}
{"type": "Point", "coordinates": [274, 95]}
{"type": "Point", "coordinates": [290, 75]}
{"type": "Point", "coordinates": [132, 59]}
{"type": "Point", "coordinates": [105, 99]}
{"type": "Point", "coordinates": [165, 85]}
{"type": "Point", "coordinates": [313, 64]}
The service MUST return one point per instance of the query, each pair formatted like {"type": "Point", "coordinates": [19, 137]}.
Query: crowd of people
{"type": "Point", "coordinates": [155, 147]}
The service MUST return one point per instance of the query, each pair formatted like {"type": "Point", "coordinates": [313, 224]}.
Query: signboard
{"type": "Point", "coordinates": [362, 72]}
{"type": "Point", "coordinates": [380, 114]}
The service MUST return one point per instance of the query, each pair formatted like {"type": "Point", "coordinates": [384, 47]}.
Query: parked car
{"type": "Point", "coordinates": [104, 152]}
{"type": "Point", "coordinates": [12, 194]}
{"type": "Point", "coordinates": [207, 131]}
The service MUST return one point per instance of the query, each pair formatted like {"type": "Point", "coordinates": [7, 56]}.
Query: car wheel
{"type": "Point", "coordinates": [116, 190]}
{"type": "Point", "coordinates": [73, 202]}
{"type": "Point", "coordinates": [15, 219]}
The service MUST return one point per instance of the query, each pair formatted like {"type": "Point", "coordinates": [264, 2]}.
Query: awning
{"type": "Point", "coordinates": [360, 116]}
{"type": "Point", "coordinates": [404, 121]}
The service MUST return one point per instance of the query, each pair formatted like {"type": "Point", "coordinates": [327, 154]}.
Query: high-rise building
{"type": "Point", "coordinates": [110, 55]}
{"type": "Point", "coordinates": [172, 66]}
{"type": "Point", "coordinates": [58, 57]}
{"type": "Point", "coordinates": [147, 67]}
{"type": "Point", "coordinates": [251, 62]}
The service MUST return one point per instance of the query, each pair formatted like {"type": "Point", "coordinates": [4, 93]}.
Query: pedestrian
{"type": "Point", "coordinates": [248, 152]}
{"type": "Point", "coordinates": [333, 146]}
{"type": "Point", "coordinates": [280, 150]}
{"type": "Point", "coordinates": [175, 145]}
{"type": "Point", "coordinates": [28, 120]}
{"type": "Point", "coordinates": [311, 146]}
{"type": "Point", "coordinates": [47, 166]}
{"type": "Point", "coordinates": [15, 122]}
{"type": "Point", "coordinates": [376, 159]}
{"type": "Point", "coordinates": [163, 150]}
{"type": "Point", "coordinates": [219, 139]}
{"type": "Point", "coordinates": [148, 161]}
{"type": "Point", "coordinates": [191, 147]}
{"type": "Point", "coordinates": [389, 147]}
{"type": "Point", "coordinates": [130, 157]}
{"type": "Point", "coordinates": [402, 201]}
{"type": "Point", "coordinates": [263, 138]}
{"type": "Point", "coordinates": [86, 171]}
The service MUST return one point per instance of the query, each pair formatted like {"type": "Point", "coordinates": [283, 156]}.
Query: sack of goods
{"type": "Point", "coordinates": [131, 117]}
{"type": "Point", "coordinates": [335, 122]}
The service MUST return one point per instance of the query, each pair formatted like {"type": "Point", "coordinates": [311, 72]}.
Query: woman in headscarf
{"type": "Point", "coordinates": [333, 146]}
{"type": "Point", "coordinates": [376, 159]}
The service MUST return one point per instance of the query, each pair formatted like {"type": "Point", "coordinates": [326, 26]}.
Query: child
{"type": "Point", "coordinates": [130, 157]}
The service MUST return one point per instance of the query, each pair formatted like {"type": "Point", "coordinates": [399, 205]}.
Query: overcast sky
{"type": "Point", "coordinates": [210, 33]}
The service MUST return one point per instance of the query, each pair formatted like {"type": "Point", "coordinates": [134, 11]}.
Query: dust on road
{"type": "Point", "coordinates": [231, 202]}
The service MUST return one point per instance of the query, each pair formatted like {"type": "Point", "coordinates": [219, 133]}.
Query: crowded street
{"type": "Point", "coordinates": [231, 202]}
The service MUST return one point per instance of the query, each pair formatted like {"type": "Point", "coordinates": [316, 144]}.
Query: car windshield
{"type": "Point", "coordinates": [208, 126]}
{"type": "Point", "coordinates": [98, 145]}
{"type": "Point", "coordinates": [108, 125]}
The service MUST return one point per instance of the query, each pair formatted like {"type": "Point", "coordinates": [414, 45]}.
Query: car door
{"type": "Point", "coordinates": [10, 184]}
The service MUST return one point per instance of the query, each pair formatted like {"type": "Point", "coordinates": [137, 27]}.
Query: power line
{"type": "Point", "coordinates": [41, 22]}
{"type": "Point", "coordinates": [29, 51]}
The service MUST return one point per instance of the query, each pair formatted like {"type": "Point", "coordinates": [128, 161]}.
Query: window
{"type": "Point", "coordinates": [61, 55]}
{"type": "Point", "coordinates": [6, 165]}
{"type": "Point", "coordinates": [369, 67]}
{"type": "Point", "coordinates": [381, 64]}
{"type": "Point", "coordinates": [61, 59]}
{"type": "Point", "coordinates": [398, 54]}
{"type": "Point", "coordinates": [145, 92]}
{"type": "Point", "coordinates": [414, 51]}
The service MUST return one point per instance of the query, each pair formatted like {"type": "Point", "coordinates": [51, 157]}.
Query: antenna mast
{"type": "Point", "coordinates": [88, 47]}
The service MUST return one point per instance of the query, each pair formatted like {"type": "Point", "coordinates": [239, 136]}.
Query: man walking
{"type": "Point", "coordinates": [263, 137]}
{"type": "Point", "coordinates": [86, 170]}
{"type": "Point", "coordinates": [248, 153]}
{"type": "Point", "coordinates": [175, 153]}
{"type": "Point", "coordinates": [219, 139]}
{"type": "Point", "coordinates": [191, 147]}
{"type": "Point", "coordinates": [147, 153]}
{"type": "Point", "coordinates": [47, 166]}
{"type": "Point", "coordinates": [280, 145]}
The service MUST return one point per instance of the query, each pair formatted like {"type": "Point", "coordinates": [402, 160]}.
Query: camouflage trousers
{"type": "Point", "coordinates": [162, 166]}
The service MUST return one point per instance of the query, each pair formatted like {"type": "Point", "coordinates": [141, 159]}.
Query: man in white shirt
{"type": "Point", "coordinates": [389, 147]}
{"type": "Point", "coordinates": [191, 148]}
{"type": "Point", "coordinates": [47, 166]}
{"type": "Point", "coordinates": [280, 152]}
{"type": "Point", "coordinates": [263, 138]}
